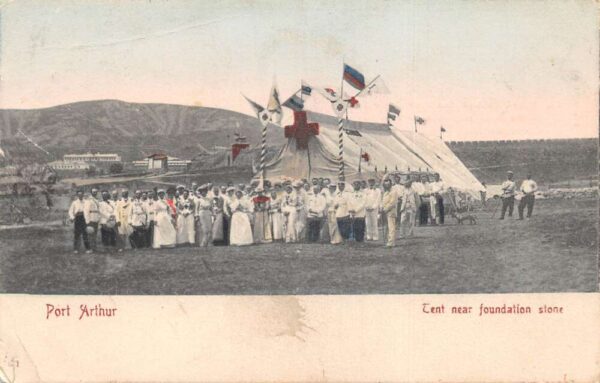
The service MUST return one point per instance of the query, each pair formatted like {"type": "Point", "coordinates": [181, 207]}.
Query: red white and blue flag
{"type": "Point", "coordinates": [354, 77]}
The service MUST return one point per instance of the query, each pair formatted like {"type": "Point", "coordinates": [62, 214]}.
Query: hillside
{"type": "Point", "coordinates": [135, 130]}
{"type": "Point", "coordinates": [129, 129]}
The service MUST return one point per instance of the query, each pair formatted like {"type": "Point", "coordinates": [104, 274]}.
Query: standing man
{"type": "Point", "coordinates": [528, 187]}
{"type": "Point", "coordinates": [409, 210]}
{"type": "Point", "coordinates": [76, 216]}
{"type": "Point", "coordinates": [508, 195]}
{"type": "Point", "coordinates": [372, 205]}
{"type": "Point", "coordinates": [315, 208]}
{"type": "Point", "coordinates": [123, 210]}
{"type": "Point", "coordinates": [356, 208]}
{"type": "Point", "coordinates": [138, 220]}
{"type": "Point", "coordinates": [92, 217]}
{"type": "Point", "coordinates": [340, 203]}
{"type": "Point", "coordinates": [108, 222]}
{"type": "Point", "coordinates": [389, 210]}
{"type": "Point", "coordinates": [436, 200]}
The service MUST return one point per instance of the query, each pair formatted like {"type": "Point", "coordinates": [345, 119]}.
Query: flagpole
{"type": "Point", "coordinates": [441, 132]}
{"type": "Point", "coordinates": [415, 119]}
{"type": "Point", "coordinates": [341, 131]}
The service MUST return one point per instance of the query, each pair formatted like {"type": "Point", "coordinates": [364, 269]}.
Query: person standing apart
{"type": "Point", "coordinates": [108, 222]}
{"type": "Point", "coordinates": [76, 216]}
{"type": "Point", "coordinates": [372, 205]}
{"type": "Point", "coordinates": [389, 210]}
{"type": "Point", "coordinates": [408, 210]}
{"type": "Point", "coordinates": [315, 208]}
{"type": "Point", "coordinates": [528, 188]}
{"type": "Point", "coordinates": [356, 209]}
{"type": "Point", "coordinates": [508, 195]}
{"type": "Point", "coordinates": [92, 217]}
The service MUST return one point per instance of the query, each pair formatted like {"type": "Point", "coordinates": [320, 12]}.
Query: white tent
{"type": "Point", "coordinates": [387, 148]}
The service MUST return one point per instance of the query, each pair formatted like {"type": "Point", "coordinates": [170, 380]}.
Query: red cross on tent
{"type": "Point", "coordinates": [301, 130]}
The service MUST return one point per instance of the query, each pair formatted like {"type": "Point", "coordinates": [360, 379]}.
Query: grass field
{"type": "Point", "coordinates": [555, 251]}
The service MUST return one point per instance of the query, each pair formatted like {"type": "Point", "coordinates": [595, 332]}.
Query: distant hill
{"type": "Point", "coordinates": [130, 129]}
{"type": "Point", "coordinates": [136, 130]}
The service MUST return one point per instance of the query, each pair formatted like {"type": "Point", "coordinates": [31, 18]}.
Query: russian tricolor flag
{"type": "Point", "coordinates": [354, 77]}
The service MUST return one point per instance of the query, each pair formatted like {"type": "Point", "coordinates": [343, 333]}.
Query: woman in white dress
{"type": "Point", "coordinates": [276, 217]}
{"type": "Point", "coordinates": [186, 233]}
{"type": "Point", "coordinates": [241, 231]}
{"type": "Point", "coordinates": [165, 234]}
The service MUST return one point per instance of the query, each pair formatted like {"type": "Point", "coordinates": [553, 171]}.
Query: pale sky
{"type": "Point", "coordinates": [482, 69]}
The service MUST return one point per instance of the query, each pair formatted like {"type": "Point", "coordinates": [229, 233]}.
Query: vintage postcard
{"type": "Point", "coordinates": [299, 191]}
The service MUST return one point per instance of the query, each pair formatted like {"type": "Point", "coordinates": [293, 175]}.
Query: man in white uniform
{"type": "Point", "coordinates": [372, 204]}
{"type": "Point", "coordinates": [508, 195]}
{"type": "Point", "coordinates": [92, 217]}
{"type": "Point", "coordinates": [76, 216]}
{"type": "Point", "coordinates": [315, 209]}
{"type": "Point", "coordinates": [356, 209]}
{"type": "Point", "coordinates": [340, 203]}
{"type": "Point", "coordinates": [436, 200]}
{"type": "Point", "coordinates": [528, 188]}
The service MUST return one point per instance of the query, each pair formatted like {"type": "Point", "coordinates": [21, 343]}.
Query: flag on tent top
{"type": "Point", "coordinates": [365, 156]}
{"type": "Point", "coordinates": [393, 112]}
{"type": "Point", "coordinates": [306, 89]}
{"type": "Point", "coordinates": [377, 86]}
{"type": "Point", "coordinates": [274, 106]}
{"type": "Point", "coordinates": [354, 77]}
{"type": "Point", "coordinates": [442, 129]}
{"type": "Point", "coordinates": [257, 108]}
{"type": "Point", "coordinates": [329, 93]}
{"type": "Point", "coordinates": [419, 120]}
{"type": "Point", "coordinates": [294, 103]}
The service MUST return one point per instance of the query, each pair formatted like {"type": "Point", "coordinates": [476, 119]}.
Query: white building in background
{"type": "Point", "coordinates": [92, 157]}
{"type": "Point", "coordinates": [68, 165]}
{"type": "Point", "coordinates": [161, 162]}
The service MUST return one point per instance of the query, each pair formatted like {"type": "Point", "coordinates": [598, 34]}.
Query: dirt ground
{"type": "Point", "coordinates": [555, 251]}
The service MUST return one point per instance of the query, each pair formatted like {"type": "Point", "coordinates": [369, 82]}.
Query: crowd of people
{"type": "Point", "coordinates": [289, 211]}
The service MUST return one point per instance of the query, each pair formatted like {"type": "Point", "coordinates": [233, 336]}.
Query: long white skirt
{"type": "Point", "coordinates": [165, 234]}
{"type": "Point", "coordinates": [277, 224]}
{"type": "Point", "coordinates": [290, 218]}
{"type": "Point", "coordinates": [241, 231]}
{"type": "Point", "coordinates": [185, 229]}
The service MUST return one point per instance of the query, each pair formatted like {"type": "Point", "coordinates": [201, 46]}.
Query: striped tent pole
{"type": "Point", "coordinates": [341, 148]}
{"type": "Point", "coordinates": [263, 150]}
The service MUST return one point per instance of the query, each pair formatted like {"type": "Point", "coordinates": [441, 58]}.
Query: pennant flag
{"type": "Point", "coordinates": [330, 94]}
{"type": "Point", "coordinates": [352, 132]}
{"type": "Point", "coordinates": [419, 120]}
{"type": "Point", "coordinates": [257, 108]}
{"type": "Point", "coordinates": [294, 103]}
{"type": "Point", "coordinates": [394, 110]}
{"type": "Point", "coordinates": [377, 86]}
{"type": "Point", "coordinates": [365, 156]}
{"type": "Point", "coordinates": [442, 129]}
{"type": "Point", "coordinates": [354, 77]}
{"type": "Point", "coordinates": [306, 89]}
{"type": "Point", "coordinates": [274, 106]}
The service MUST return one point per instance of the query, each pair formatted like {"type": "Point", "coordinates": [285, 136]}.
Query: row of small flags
{"type": "Point", "coordinates": [273, 113]}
